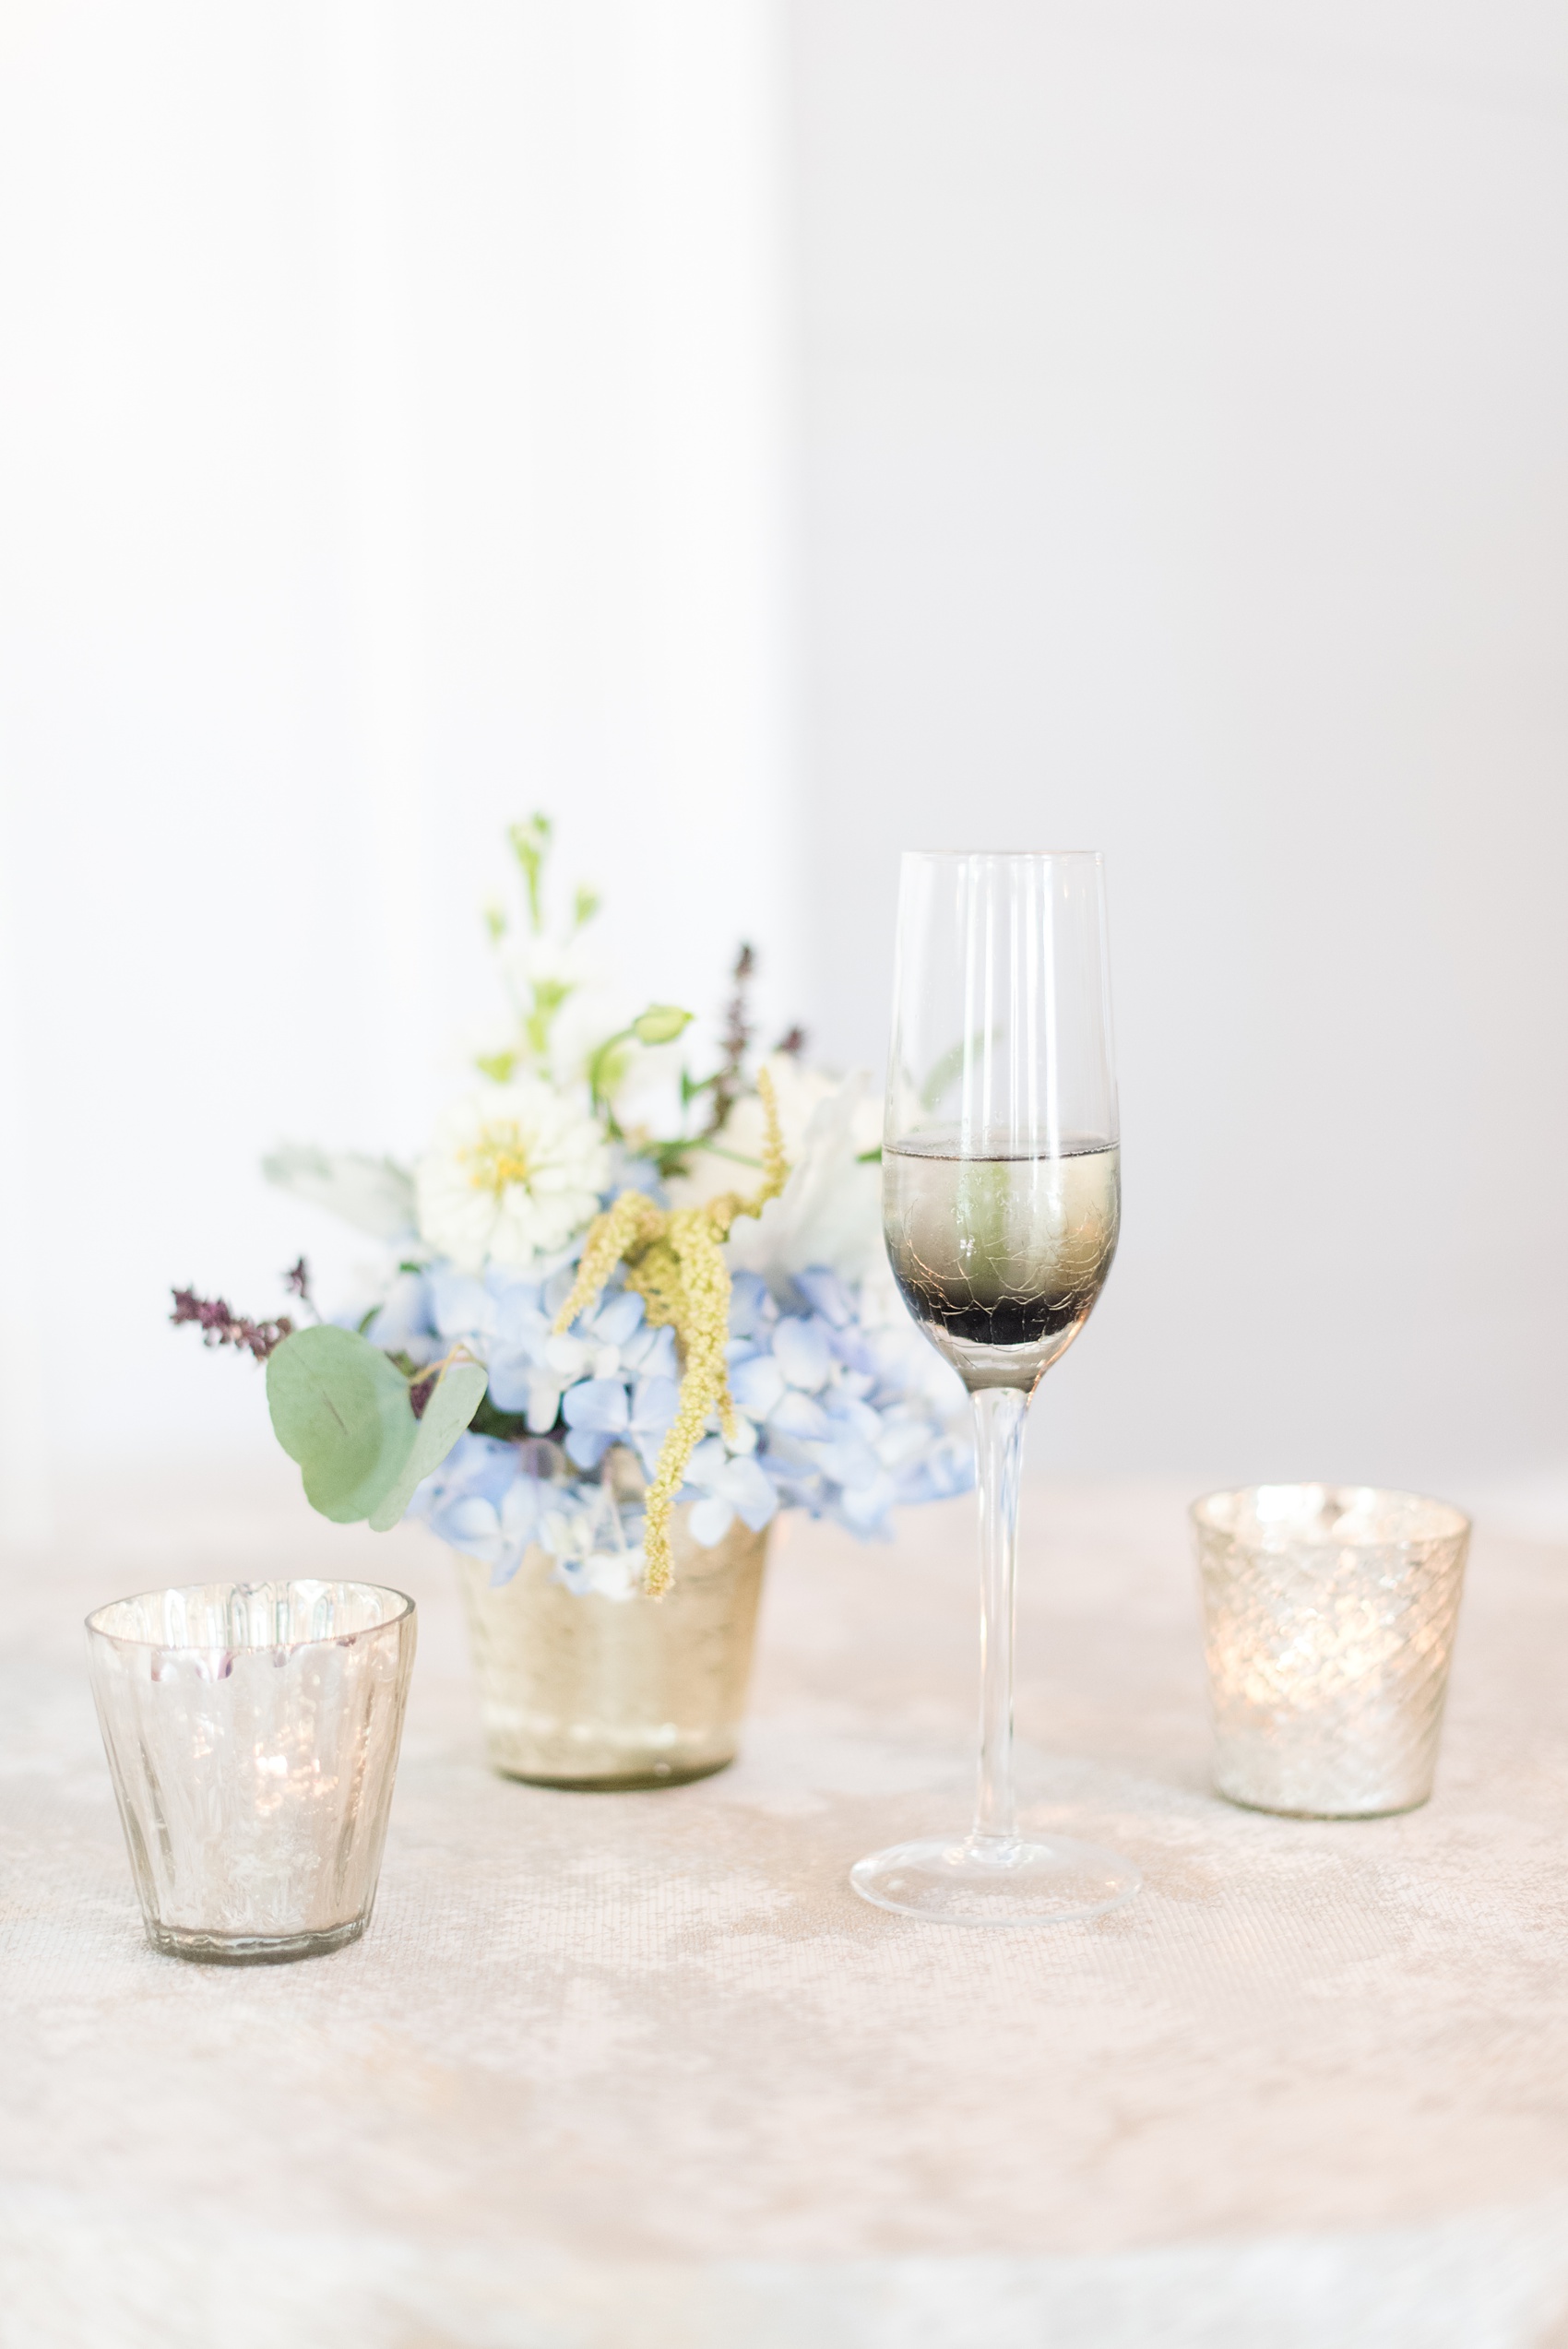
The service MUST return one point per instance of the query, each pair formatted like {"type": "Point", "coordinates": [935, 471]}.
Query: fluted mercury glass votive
{"type": "Point", "coordinates": [252, 1731]}
{"type": "Point", "coordinates": [1329, 1613]}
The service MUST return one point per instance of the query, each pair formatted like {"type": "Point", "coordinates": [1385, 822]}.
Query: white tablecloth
{"type": "Point", "coordinates": [640, 2069]}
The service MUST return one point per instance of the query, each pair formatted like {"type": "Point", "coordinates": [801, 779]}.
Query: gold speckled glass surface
{"type": "Point", "coordinates": [579, 1689]}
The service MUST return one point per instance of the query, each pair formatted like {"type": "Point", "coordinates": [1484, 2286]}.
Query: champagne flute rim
{"type": "Point", "coordinates": [1007, 856]}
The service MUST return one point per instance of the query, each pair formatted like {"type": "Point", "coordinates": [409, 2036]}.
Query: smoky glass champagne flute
{"type": "Point", "coordinates": [1000, 1207]}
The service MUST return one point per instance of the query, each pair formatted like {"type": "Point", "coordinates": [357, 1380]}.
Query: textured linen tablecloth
{"type": "Point", "coordinates": [639, 2069]}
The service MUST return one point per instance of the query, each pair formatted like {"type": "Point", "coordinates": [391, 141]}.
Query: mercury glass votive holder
{"type": "Point", "coordinates": [1329, 1613]}
{"type": "Point", "coordinates": [252, 1730]}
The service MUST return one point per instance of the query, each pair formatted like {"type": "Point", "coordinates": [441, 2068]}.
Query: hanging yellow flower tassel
{"type": "Point", "coordinates": [674, 1260]}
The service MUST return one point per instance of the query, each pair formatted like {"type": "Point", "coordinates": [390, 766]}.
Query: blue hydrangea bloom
{"type": "Point", "coordinates": [836, 1414]}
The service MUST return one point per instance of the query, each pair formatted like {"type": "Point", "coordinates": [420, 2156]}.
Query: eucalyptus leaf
{"type": "Point", "coordinates": [458, 1394]}
{"type": "Point", "coordinates": [341, 1409]}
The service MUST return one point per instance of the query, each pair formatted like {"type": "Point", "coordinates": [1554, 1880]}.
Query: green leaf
{"type": "Point", "coordinates": [587, 906]}
{"type": "Point", "coordinates": [660, 1023]}
{"type": "Point", "coordinates": [607, 1066]}
{"type": "Point", "coordinates": [549, 994]}
{"type": "Point", "coordinates": [458, 1394]}
{"type": "Point", "coordinates": [944, 1070]}
{"type": "Point", "coordinates": [718, 1150]}
{"type": "Point", "coordinates": [341, 1409]}
{"type": "Point", "coordinates": [498, 1066]}
{"type": "Point", "coordinates": [495, 923]}
{"type": "Point", "coordinates": [531, 844]}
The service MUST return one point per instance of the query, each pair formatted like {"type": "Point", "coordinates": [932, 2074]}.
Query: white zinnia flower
{"type": "Point", "coordinates": [514, 1172]}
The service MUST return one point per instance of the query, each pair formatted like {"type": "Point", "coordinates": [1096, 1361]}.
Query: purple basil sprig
{"type": "Point", "coordinates": [220, 1325]}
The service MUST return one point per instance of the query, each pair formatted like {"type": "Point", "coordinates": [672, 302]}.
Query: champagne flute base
{"type": "Point", "coordinates": [996, 1880]}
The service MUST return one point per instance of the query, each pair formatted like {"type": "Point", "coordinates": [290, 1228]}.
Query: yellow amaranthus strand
{"type": "Point", "coordinates": [674, 1260]}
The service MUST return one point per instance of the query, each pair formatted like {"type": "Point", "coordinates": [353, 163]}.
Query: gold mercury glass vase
{"type": "Point", "coordinates": [587, 1691]}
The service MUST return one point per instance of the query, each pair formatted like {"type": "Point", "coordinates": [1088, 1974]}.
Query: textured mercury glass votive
{"type": "Point", "coordinates": [252, 1731]}
{"type": "Point", "coordinates": [1328, 1622]}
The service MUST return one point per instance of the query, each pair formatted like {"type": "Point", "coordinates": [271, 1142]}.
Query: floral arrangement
{"type": "Point", "coordinates": [611, 1287]}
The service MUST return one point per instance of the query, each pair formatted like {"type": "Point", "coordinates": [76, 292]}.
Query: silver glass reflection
{"type": "Point", "coordinates": [1002, 1191]}
{"type": "Point", "coordinates": [252, 1731]}
{"type": "Point", "coordinates": [1329, 1614]}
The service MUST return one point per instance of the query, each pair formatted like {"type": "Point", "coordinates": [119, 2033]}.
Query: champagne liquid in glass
{"type": "Point", "coordinates": [1001, 1258]}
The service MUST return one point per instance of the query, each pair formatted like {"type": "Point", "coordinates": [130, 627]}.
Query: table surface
{"type": "Point", "coordinates": [640, 2068]}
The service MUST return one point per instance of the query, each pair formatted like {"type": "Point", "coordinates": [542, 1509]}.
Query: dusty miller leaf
{"type": "Point", "coordinates": [373, 1194]}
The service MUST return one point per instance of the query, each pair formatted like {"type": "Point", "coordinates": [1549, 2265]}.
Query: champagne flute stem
{"type": "Point", "coordinates": [1000, 1412]}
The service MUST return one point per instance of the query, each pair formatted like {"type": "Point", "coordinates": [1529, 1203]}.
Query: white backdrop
{"type": "Point", "coordinates": [1186, 408]}
{"type": "Point", "coordinates": [394, 440]}
{"type": "Point", "coordinates": [769, 435]}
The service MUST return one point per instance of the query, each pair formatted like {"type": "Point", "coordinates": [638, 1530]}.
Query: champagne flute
{"type": "Point", "coordinates": [1000, 1207]}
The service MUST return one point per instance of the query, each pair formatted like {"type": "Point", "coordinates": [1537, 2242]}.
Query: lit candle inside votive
{"type": "Point", "coordinates": [1329, 1614]}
